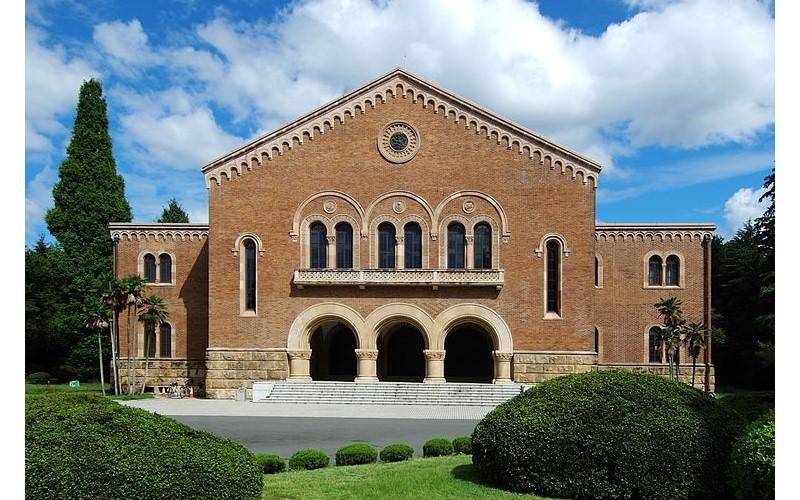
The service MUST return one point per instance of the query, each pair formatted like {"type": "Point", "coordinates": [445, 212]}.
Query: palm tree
{"type": "Point", "coordinates": [671, 333]}
{"type": "Point", "coordinates": [134, 287]}
{"type": "Point", "coordinates": [696, 339]}
{"type": "Point", "coordinates": [115, 298]}
{"type": "Point", "coordinates": [154, 315]}
{"type": "Point", "coordinates": [98, 320]}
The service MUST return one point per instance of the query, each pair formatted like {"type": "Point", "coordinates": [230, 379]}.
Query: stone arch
{"type": "Point", "coordinates": [306, 322]}
{"type": "Point", "coordinates": [389, 313]}
{"type": "Point", "coordinates": [459, 314]}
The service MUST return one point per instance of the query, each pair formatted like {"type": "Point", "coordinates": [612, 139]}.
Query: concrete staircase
{"type": "Point", "coordinates": [384, 393]}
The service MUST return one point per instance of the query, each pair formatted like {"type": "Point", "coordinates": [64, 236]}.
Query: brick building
{"type": "Point", "coordinates": [401, 232]}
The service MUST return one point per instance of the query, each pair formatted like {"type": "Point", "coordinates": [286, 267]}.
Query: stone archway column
{"type": "Point", "coordinates": [299, 364]}
{"type": "Point", "coordinates": [502, 367]}
{"type": "Point", "coordinates": [434, 366]}
{"type": "Point", "coordinates": [367, 365]}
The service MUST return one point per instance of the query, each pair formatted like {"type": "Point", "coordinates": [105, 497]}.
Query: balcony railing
{"type": "Point", "coordinates": [399, 277]}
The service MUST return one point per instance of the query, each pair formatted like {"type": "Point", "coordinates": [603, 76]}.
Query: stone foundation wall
{"type": "Point", "coordinates": [229, 369]}
{"type": "Point", "coordinates": [162, 372]}
{"type": "Point", "coordinates": [685, 374]}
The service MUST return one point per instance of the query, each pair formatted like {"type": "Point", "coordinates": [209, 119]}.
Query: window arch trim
{"type": "Point", "coordinates": [156, 254]}
{"type": "Point", "coordinates": [664, 255]}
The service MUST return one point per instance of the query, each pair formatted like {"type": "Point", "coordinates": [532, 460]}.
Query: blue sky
{"type": "Point", "coordinates": [675, 99]}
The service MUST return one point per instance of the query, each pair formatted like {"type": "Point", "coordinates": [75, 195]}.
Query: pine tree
{"type": "Point", "coordinates": [173, 213]}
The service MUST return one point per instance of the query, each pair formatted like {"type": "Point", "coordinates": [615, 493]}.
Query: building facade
{"type": "Point", "coordinates": [401, 232]}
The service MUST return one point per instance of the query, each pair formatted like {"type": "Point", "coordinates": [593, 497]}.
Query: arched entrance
{"type": "Point", "coordinates": [400, 354]}
{"type": "Point", "coordinates": [333, 355]}
{"type": "Point", "coordinates": [468, 355]}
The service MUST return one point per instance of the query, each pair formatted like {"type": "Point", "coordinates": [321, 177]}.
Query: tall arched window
{"type": "Point", "coordinates": [150, 268]}
{"type": "Point", "coordinates": [553, 278]}
{"type": "Point", "coordinates": [249, 275]}
{"type": "Point", "coordinates": [671, 271]}
{"type": "Point", "coordinates": [319, 246]}
{"type": "Point", "coordinates": [483, 246]}
{"type": "Point", "coordinates": [654, 271]}
{"type": "Point", "coordinates": [165, 342]}
{"type": "Point", "coordinates": [150, 340]}
{"type": "Point", "coordinates": [344, 246]}
{"type": "Point", "coordinates": [164, 268]}
{"type": "Point", "coordinates": [413, 246]}
{"type": "Point", "coordinates": [654, 345]}
{"type": "Point", "coordinates": [387, 241]}
{"type": "Point", "coordinates": [456, 246]}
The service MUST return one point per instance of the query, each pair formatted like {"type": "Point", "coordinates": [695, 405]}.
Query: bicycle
{"type": "Point", "coordinates": [177, 391]}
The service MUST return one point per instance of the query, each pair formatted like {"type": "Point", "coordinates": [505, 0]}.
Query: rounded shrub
{"type": "Point", "coordinates": [38, 378]}
{"type": "Point", "coordinates": [753, 460]}
{"type": "Point", "coordinates": [270, 463]}
{"type": "Point", "coordinates": [308, 459]}
{"type": "Point", "coordinates": [463, 444]}
{"type": "Point", "coordinates": [80, 445]}
{"type": "Point", "coordinates": [610, 434]}
{"type": "Point", "coordinates": [437, 447]}
{"type": "Point", "coordinates": [356, 454]}
{"type": "Point", "coordinates": [397, 452]}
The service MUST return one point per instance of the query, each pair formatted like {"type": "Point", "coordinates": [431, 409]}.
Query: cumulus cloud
{"type": "Point", "coordinates": [741, 207]}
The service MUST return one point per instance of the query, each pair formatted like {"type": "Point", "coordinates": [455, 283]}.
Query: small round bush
{"type": "Point", "coordinates": [356, 454]}
{"type": "Point", "coordinates": [753, 460]}
{"type": "Point", "coordinates": [38, 378]}
{"type": "Point", "coordinates": [463, 444]}
{"type": "Point", "coordinates": [270, 463]}
{"type": "Point", "coordinates": [437, 447]}
{"type": "Point", "coordinates": [308, 459]}
{"type": "Point", "coordinates": [87, 446]}
{"type": "Point", "coordinates": [397, 452]}
{"type": "Point", "coordinates": [609, 434]}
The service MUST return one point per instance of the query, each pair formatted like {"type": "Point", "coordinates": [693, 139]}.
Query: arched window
{"type": "Point", "coordinates": [553, 277]}
{"type": "Point", "coordinates": [387, 242]}
{"type": "Point", "coordinates": [344, 246]}
{"type": "Point", "coordinates": [249, 275]}
{"type": "Point", "coordinates": [654, 345]}
{"type": "Point", "coordinates": [654, 271]}
{"type": "Point", "coordinates": [413, 246]}
{"type": "Point", "coordinates": [671, 271]}
{"type": "Point", "coordinates": [150, 340]}
{"type": "Point", "coordinates": [165, 268]}
{"type": "Point", "coordinates": [483, 246]}
{"type": "Point", "coordinates": [150, 268]}
{"type": "Point", "coordinates": [319, 246]}
{"type": "Point", "coordinates": [165, 342]}
{"type": "Point", "coordinates": [456, 246]}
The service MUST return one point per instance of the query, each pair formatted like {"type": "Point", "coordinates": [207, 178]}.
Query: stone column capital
{"type": "Point", "coordinates": [367, 353]}
{"type": "Point", "coordinates": [299, 353]}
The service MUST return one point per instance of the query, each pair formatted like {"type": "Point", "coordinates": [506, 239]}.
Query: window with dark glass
{"type": "Point", "coordinates": [553, 278]}
{"type": "Point", "coordinates": [596, 272]}
{"type": "Point", "coordinates": [319, 246]}
{"type": "Point", "coordinates": [413, 246]}
{"type": "Point", "coordinates": [165, 268]}
{"type": "Point", "coordinates": [165, 342]}
{"type": "Point", "coordinates": [456, 246]}
{"type": "Point", "coordinates": [671, 271]}
{"type": "Point", "coordinates": [654, 345]}
{"type": "Point", "coordinates": [344, 246]}
{"type": "Point", "coordinates": [483, 246]}
{"type": "Point", "coordinates": [150, 340]}
{"type": "Point", "coordinates": [654, 271]}
{"type": "Point", "coordinates": [150, 268]}
{"type": "Point", "coordinates": [250, 275]}
{"type": "Point", "coordinates": [387, 242]}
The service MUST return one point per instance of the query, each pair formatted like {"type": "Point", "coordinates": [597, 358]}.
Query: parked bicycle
{"type": "Point", "coordinates": [177, 391]}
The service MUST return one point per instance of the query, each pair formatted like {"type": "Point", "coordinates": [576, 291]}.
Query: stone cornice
{"type": "Point", "coordinates": [407, 86]}
{"type": "Point", "coordinates": [175, 231]}
{"type": "Point", "coordinates": [651, 232]}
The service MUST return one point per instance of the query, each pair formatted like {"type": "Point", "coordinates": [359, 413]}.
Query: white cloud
{"type": "Point", "coordinates": [741, 207]}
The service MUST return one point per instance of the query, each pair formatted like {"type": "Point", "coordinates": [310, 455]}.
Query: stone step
{"type": "Point", "coordinates": [384, 393]}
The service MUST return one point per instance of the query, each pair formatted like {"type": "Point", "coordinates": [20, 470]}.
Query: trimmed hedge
{"type": "Point", "coordinates": [308, 459]}
{"type": "Point", "coordinates": [462, 444]}
{"type": "Point", "coordinates": [356, 454]}
{"type": "Point", "coordinates": [608, 435]}
{"type": "Point", "coordinates": [753, 460]}
{"type": "Point", "coordinates": [397, 452]}
{"type": "Point", "coordinates": [38, 378]}
{"type": "Point", "coordinates": [83, 446]}
{"type": "Point", "coordinates": [270, 463]}
{"type": "Point", "coordinates": [437, 447]}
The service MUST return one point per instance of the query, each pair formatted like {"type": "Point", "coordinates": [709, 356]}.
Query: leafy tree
{"type": "Point", "coordinates": [87, 196]}
{"type": "Point", "coordinates": [173, 212]}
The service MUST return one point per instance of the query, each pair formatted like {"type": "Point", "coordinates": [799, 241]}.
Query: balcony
{"type": "Point", "coordinates": [433, 278]}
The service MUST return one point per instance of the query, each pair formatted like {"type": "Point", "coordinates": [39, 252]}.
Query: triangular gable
{"type": "Point", "coordinates": [402, 83]}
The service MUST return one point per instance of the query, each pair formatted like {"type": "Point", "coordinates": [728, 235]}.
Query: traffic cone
{"type": "Point", "coordinates": [191, 392]}
{"type": "Point", "coordinates": [163, 394]}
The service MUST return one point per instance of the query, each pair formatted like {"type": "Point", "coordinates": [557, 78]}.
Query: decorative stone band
{"type": "Point", "coordinates": [399, 277]}
{"type": "Point", "coordinates": [367, 353]}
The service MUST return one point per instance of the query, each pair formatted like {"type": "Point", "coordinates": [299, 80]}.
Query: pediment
{"type": "Point", "coordinates": [399, 83]}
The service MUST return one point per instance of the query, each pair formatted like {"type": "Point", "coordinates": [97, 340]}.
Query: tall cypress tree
{"type": "Point", "coordinates": [88, 195]}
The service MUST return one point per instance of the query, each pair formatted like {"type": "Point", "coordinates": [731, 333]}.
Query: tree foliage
{"type": "Point", "coordinates": [174, 212]}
